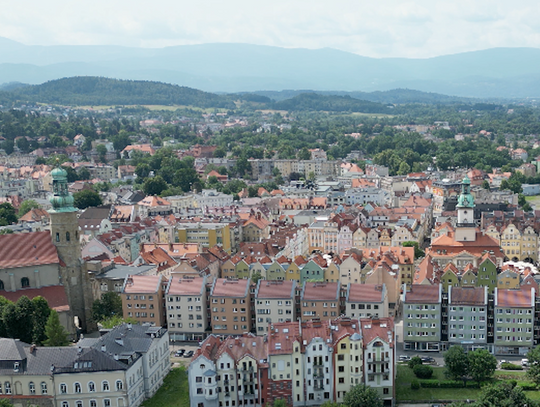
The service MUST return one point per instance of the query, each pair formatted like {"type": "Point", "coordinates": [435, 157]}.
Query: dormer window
{"type": "Point", "coordinates": [16, 366]}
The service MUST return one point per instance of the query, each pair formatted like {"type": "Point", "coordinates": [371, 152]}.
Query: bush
{"type": "Point", "coordinates": [423, 371]}
{"type": "Point", "coordinates": [415, 361]}
{"type": "Point", "coordinates": [510, 366]}
{"type": "Point", "coordinates": [527, 386]}
{"type": "Point", "coordinates": [430, 384]}
{"type": "Point", "coordinates": [451, 384]}
{"type": "Point", "coordinates": [415, 385]}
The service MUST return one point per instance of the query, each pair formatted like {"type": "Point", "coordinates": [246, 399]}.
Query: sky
{"type": "Point", "coordinates": [375, 28]}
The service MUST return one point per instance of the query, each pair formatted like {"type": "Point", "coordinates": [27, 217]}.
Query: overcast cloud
{"type": "Point", "coordinates": [384, 28]}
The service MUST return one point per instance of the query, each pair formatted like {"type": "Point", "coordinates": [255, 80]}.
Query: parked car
{"type": "Point", "coordinates": [180, 352]}
{"type": "Point", "coordinates": [188, 354]}
{"type": "Point", "coordinates": [524, 362]}
{"type": "Point", "coordinates": [427, 359]}
{"type": "Point", "coordinates": [404, 358]}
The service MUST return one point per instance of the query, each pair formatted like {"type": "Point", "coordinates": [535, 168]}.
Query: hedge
{"type": "Point", "coordinates": [446, 384]}
{"type": "Point", "coordinates": [527, 386]}
{"type": "Point", "coordinates": [510, 366]}
{"type": "Point", "coordinates": [415, 385]}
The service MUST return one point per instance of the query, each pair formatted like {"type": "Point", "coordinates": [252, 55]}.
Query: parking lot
{"type": "Point", "coordinates": [186, 347]}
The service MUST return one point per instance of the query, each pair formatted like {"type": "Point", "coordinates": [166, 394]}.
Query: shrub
{"type": "Point", "coordinates": [510, 366]}
{"type": "Point", "coordinates": [415, 385]}
{"type": "Point", "coordinates": [423, 371]}
{"type": "Point", "coordinates": [451, 384]}
{"type": "Point", "coordinates": [430, 384]}
{"type": "Point", "coordinates": [527, 386]}
{"type": "Point", "coordinates": [415, 361]}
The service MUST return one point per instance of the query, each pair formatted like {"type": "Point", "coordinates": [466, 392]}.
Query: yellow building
{"type": "Point", "coordinates": [206, 234]}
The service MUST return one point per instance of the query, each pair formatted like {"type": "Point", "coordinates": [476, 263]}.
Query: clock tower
{"type": "Point", "coordinates": [65, 236]}
{"type": "Point", "coordinates": [466, 227]}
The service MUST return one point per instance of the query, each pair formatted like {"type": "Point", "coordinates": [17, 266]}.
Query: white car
{"type": "Point", "coordinates": [524, 362]}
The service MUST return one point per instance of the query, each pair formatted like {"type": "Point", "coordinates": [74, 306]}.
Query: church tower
{"type": "Point", "coordinates": [466, 227]}
{"type": "Point", "coordinates": [65, 236]}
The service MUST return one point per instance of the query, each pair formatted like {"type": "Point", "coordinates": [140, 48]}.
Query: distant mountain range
{"type": "Point", "coordinates": [493, 73]}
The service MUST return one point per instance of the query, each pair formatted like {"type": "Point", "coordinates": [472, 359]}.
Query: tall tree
{"type": "Point", "coordinates": [109, 305]}
{"type": "Point", "coordinates": [39, 318]}
{"type": "Point", "coordinates": [456, 363]}
{"type": "Point", "coordinates": [86, 198]}
{"type": "Point", "coordinates": [533, 372]}
{"type": "Point", "coordinates": [55, 332]}
{"type": "Point", "coordinates": [154, 186]}
{"type": "Point", "coordinates": [482, 365]}
{"type": "Point", "coordinates": [26, 206]}
{"type": "Point", "coordinates": [7, 214]}
{"type": "Point", "coordinates": [362, 396]}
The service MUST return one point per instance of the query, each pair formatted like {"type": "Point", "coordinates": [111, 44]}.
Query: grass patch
{"type": "Point", "coordinates": [174, 392]}
{"type": "Point", "coordinates": [405, 376]}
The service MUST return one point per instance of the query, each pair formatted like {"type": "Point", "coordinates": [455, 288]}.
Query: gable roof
{"type": "Point", "coordinates": [27, 249]}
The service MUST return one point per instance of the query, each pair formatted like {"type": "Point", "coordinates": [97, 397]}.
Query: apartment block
{"type": "Point", "coordinates": [142, 299]}
{"type": "Point", "coordinates": [320, 300]}
{"type": "Point", "coordinates": [230, 304]}
{"type": "Point", "coordinates": [187, 314]}
{"type": "Point", "coordinates": [205, 234]}
{"type": "Point", "coordinates": [467, 315]}
{"type": "Point", "coordinates": [514, 320]}
{"type": "Point", "coordinates": [275, 302]}
{"type": "Point", "coordinates": [422, 317]}
{"type": "Point", "coordinates": [366, 300]}
{"type": "Point", "coordinates": [380, 356]}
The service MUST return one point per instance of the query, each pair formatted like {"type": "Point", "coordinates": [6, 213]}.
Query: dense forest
{"type": "Point", "coordinates": [93, 91]}
{"type": "Point", "coordinates": [331, 103]}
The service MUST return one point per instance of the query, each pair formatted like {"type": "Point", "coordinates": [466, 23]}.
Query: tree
{"type": "Point", "coordinates": [102, 151]}
{"type": "Point", "coordinates": [482, 365]}
{"type": "Point", "coordinates": [84, 174]}
{"type": "Point", "coordinates": [26, 206]}
{"type": "Point", "coordinates": [256, 277]}
{"type": "Point", "coordinates": [304, 154]}
{"type": "Point", "coordinates": [534, 365]}
{"type": "Point", "coordinates": [404, 168]}
{"type": "Point", "coordinates": [108, 306]}
{"type": "Point", "coordinates": [155, 186]}
{"type": "Point", "coordinates": [86, 198]}
{"type": "Point", "coordinates": [417, 251]}
{"type": "Point", "coordinates": [5, 403]}
{"type": "Point", "coordinates": [505, 394]}
{"type": "Point", "coordinates": [423, 371]}
{"type": "Point", "coordinates": [279, 403]}
{"type": "Point", "coordinates": [485, 185]}
{"type": "Point", "coordinates": [54, 331]}
{"type": "Point", "coordinates": [362, 396]}
{"type": "Point", "coordinates": [23, 144]}
{"type": "Point", "coordinates": [415, 360]}
{"type": "Point", "coordinates": [39, 317]}
{"type": "Point", "coordinates": [7, 214]}
{"type": "Point", "coordinates": [455, 360]}
{"type": "Point", "coordinates": [116, 320]}
{"type": "Point", "coordinates": [220, 152]}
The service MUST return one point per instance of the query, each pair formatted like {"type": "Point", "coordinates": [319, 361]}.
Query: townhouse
{"type": "Point", "coordinates": [275, 302]}
{"type": "Point", "coordinates": [320, 300]}
{"type": "Point", "coordinates": [187, 314]}
{"type": "Point", "coordinates": [142, 299]}
{"type": "Point", "coordinates": [366, 300]}
{"type": "Point", "coordinates": [230, 304]}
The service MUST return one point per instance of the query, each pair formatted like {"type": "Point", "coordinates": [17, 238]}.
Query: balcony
{"type": "Point", "coordinates": [212, 396]}
{"type": "Point", "coordinates": [318, 387]}
{"type": "Point", "coordinates": [317, 364]}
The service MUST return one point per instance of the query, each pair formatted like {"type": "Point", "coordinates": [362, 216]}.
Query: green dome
{"type": "Point", "coordinates": [58, 173]}
{"type": "Point", "coordinates": [466, 180]}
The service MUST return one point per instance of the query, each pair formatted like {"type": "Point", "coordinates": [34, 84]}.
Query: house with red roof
{"type": "Point", "coordinates": [366, 300]}
{"type": "Point", "coordinates": [230, 303]}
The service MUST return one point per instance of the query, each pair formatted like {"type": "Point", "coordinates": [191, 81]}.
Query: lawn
{"type": "Point", "coordinates": [405, 376]}
{"type": "Point", "coordinates": [174, 392]}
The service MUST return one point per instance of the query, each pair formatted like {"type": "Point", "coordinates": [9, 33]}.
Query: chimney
{"type": "Point", "coordinates": [32, 348]}
{"type": "Point", "coordinates": [103, 348]}
{"type": "Point", "coordinates": [129, 326]}
{"type": "Point", "coordinates": [116, 356]}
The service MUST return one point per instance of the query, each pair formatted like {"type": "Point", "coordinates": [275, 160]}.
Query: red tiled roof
{"type": "Point", "coordinates": [467, 296]}
{"type": "Point", "coordinates": [382, 328]}
{"type": "Point", "coordinates": [281, 339]}
{"type": "Point", "coordinates": [320, 291]}
{"type": "Point", "coordinates": [230, 288]}
{"type": "Point", "coordinates": [27, 249]}
{"type": "Point", "coordinates": [142, 284]}
{"type": "Point", "coordinates": [54, 294]}
{"type": "Point", "coordinates": [275, 289]}
{"type": "Point", "coordinates": [35, 215]}
{"type": "Point", "coordinates": [364, 293]}
{"type": "Point", "coordinates": [153, 201]}
{"type": "Point", "coordinates": [186, 286]}
{"type": "Point", "coordinates": [424, 294]}
{"type": "Point", "coordinates": [514, 298]}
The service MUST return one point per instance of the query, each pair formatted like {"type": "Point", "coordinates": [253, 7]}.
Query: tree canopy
{"type": "Point", "coordinates": [362, 396]}
{"type": "Point", "coordinates": [56, 334]}
{"type": "Point", "coordinates": [110, 305]}
{"type": "Point", "coordinates": [87, 198]}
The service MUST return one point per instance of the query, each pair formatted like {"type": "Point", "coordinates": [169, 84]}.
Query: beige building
{"type": "Point", "coordinates": [186, 308]}
{"type": "Point", "coordinates": [142, 299]}
{"type": "Point", "coordinates": [320, 300]}
{"type": "Point", "coordinates": [274, 302]}
{"type": "Point", "coordinates": [366, 300]}
{"type": "Point", "coordinates": [230, 306]}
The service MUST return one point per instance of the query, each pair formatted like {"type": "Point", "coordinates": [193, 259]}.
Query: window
{"type": "Point", "coordinates": [1, 285]}
{"type": "Point", "coordinates": [25, 282]}
{"type": "Point", "coordinates": [77, 387]}
{"type": "Point", "coordinates": [43, 388]}
{"type": "Point", "coordinates": [106, 403]}
{"type": "Point", "coordinates": [65, 404]}
{"type": "Point", "coordinates": [32, 387]}
{"type": "Point", "coordinates": [119, 385]}
{"type": "Point", "coordinates": [91, 387]}
{"type": "Point", "coordinates": [93, 403]}
{"type": "Point", "coordinates": [105, 386]}
{"type": "Point", "coordinates": [78, 403]}
{"type": "Point", "coordinates": [57, 237]}
{"type": "Point", "coordinates": [68, 238]}
{"type": "Point", "coordinates": [63, 388]}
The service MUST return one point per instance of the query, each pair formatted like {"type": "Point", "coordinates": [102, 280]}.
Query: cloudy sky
{"type": "Point", "coordinates": [377, 28]}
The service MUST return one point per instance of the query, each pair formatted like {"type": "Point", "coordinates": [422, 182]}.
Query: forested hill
{"type": "Point", "coordinates": [92, 90]}
{"type": "Point", "coordinates": [315, 101]}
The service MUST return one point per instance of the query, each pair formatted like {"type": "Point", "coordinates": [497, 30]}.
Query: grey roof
{"type": "Point", "coordinates": [120, 271]}
{"type": "Point", "coordinates": [12, 349]}
{"type": "Point", "coordinates": [93, 360]}
{"type": "Point", "coordinates": [96, 213]}
{"type": "Point", "coordinates": [138, 338]}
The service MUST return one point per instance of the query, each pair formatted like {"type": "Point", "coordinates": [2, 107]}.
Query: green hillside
{"type": "Point", "coordinates": [315, 101]}
{"type": "Point", "coordinates": [91, 90]}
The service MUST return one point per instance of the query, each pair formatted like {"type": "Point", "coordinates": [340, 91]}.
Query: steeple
{"type": "Point", "coordinates": [62, 200]}
{"type": "Point", "coordinates": [465, 200]}
{"type": "Point", "coordinates": [466, 226]}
